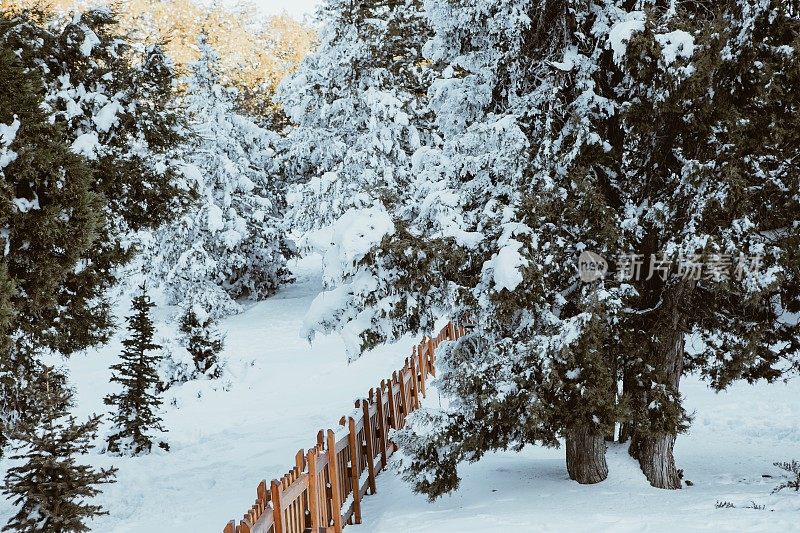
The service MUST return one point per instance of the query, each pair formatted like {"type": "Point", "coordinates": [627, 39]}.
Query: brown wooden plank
{"type": "Point", "coordinates": [381, 428]}
{"type": "Point", "coordinates": [336, 500]}
{"type": "Point", "coordinates": [404, 407]}
{"type": "Point", "coordinates": [277, 510]}
{"type": "Point", "coordinates": [369, 437]}
{"type": "Point", "coordinates": [355, 471]}
{"type": "Point", "coordinates": [431, 362]}
{"type": "Point", "coordinates": [392, 410]}
{"type": "Point", "coordinates": [313, 490]}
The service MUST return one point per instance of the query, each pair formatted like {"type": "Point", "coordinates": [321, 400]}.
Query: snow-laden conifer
{"type": "Point", "coordinates": [230, 243]}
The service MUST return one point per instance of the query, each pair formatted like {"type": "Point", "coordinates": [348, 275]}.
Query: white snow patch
{"type": "Point", "coordinates": [350, 238]}
{"type": "Point", "coordinates": [506, 266]}
{"type": "Point", "coordinates": [86, 145]}
{"type": "Point", "coordinates": [676, 44]}
{"type": "Point", "coordinates": [106, 118]}
{"type": "Point", "coordinates": [622, 32]}
{"type": "Point", "coordinates": [215, 219]}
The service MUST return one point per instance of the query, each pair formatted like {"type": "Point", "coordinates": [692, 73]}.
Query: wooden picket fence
{"type": "Point", "coordinates": [323, 491]}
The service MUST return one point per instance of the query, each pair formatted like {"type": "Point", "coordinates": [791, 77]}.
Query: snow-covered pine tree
{"type": "Point", "coordinates": [710, 131]}
{"type": "Point", "coordinates": [50, 488]}
{"type": "Point", "coordinates": [203, 340]}
{"type": "Point", "coordinates": [115, 102]}
{"type": "Point", "coordinates": [138, 402]}
{"type": "Point", "coordinates": [549, 128]}
{"type": "Point", "coordinates": [231, 244]}
{"type": "Point", "coordinates": [358, 110]}
{"type": "Point", "coordinates": [50, 218]}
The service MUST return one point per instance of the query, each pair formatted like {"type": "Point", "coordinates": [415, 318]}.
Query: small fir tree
{"type": "Point", "coordinates": [203, 340]}
{"type": "Point", "coordinates": [138, 402]}
{"type": "Point", "coordinates": [50, 489]}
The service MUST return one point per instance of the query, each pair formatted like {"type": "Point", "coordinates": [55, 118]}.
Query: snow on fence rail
{"type": "Point", "coordinates": [323, 491]}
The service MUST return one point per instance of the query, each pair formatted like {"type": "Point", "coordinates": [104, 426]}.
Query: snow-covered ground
{"type": "Point", "coordinates": [280, 391]}
{"type": "Point", "coordinates": [735, 438]}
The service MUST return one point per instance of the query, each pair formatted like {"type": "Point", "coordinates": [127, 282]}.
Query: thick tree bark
{"type": "Point", "coordinates": [656, 460]}
{"type": "Point", "coordinates": [654, 451]}
{"type": "Point", "coordinates": [586, 456]}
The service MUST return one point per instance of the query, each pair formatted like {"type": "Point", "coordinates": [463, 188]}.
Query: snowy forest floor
{"type": "Point", "coordinates": [281, 391]}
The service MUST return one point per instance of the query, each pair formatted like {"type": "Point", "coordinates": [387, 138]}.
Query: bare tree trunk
{"type": "Point", "coordinates": [586, 456]}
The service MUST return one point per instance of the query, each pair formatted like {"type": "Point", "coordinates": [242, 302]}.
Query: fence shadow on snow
{"type": "Point", "coordinates": [322, 493]}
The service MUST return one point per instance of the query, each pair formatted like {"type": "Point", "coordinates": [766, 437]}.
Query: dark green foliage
{"type": "Point", "coordinates": [63, 252]}
{"type": "Point", "coordinates": [51, 489]}
{"type": "Point", "coordinates": [53, 219]}
{"type": "Point", "coordinates": [138, 403]}
{"type": "Point", "coordinates": [133, 181]}
{"type": "Point", "coordinates": [203, 341]}
{"type": "Point", "coordinates": [139, 192]}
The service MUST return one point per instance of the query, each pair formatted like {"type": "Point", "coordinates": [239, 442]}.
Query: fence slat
{"type": "Point", "coordinates": [381, 429]}
{"type": "Point", "coordinates": [277, 514]}
{"type": "Point", "coordinates": [355, 471]}
{"type": "Point", "coordinates": [392, 408]}
{"type": "Point", "coordinates": [336, 500]}
{"type": "Point", "coordinates": [369, 438]}
{"type": "Point", "coordinates": [313, 490]}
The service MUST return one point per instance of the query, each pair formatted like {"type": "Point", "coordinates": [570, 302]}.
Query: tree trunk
{"type": "Point", "coordinates": [586, 456]}
{"type": "Point", "coordinates": [656, 460]}
{"type": "Point", "coordinates": [654, 450]}
{"type": "Point", "coordinates": [632, 396]}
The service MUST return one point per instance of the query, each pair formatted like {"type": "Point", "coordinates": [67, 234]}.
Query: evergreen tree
{"type": "Point", "coordinates": [114, 104]}
{"type": "Point", "coordinates": [203, 341]}
{"type": "Point", "coordinates": [50, 488]}
{"type": "Point", "coordinates": [95, 119]}
{"type": "Point", "coordinates": [231, 243]}
{"type": "Point", "coordinates": [358, 110]}
{"type": "Point", "coordinates": [137, 404]}
{"type": "Point", "coordinates": [51, 219]}
{"type": "Point", "coordinates": [569, 127]}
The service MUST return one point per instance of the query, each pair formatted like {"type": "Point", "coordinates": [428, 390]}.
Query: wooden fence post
{"type": "Point", "coordinates": [382, 427]}
{"type": "Point", "coordinates": [414, 384]}
{"type": "Point", "coordinates": [313, 490]}
{"type": "Point", "coordinates": [369, 435]}
{"type": "Point", "coordinates": [277, 514]}
{"type": "Point", "coordinates": [403, 399]}
{"type": "Point", "coordinates": [336, 499]}
{"type": "Point", "coordinates": [392, 409]}
{"type": "Point", "coordinates": [423, 368]}
{"type": "Point", "coordinates": [431, 363]}
{"type": "Point", "coordinates": [354, 471]}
